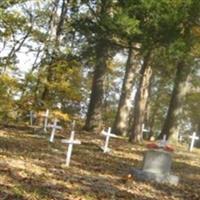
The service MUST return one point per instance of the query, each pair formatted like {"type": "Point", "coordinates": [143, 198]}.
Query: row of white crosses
{"type": "Point", "coordinates": [71, 141]}
{"type": "Point", "coordinates": [163, 142]}
{"type": "Point", "coordinates": [107, 134]}
{"type": "Point", "coordinates": [193, 137]}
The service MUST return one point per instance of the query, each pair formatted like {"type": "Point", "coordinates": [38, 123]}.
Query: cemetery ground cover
{"type": "Point", "coordinates": [32, 168]}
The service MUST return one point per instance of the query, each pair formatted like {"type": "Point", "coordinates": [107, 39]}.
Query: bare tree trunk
{"type": "Point", "coordinates": [171, 126]}
{"type": "Point", "coordinates": [94, 114]}
{"type": "Point", "coordinates": [120, 126]}
{"type": "Point", "coordinates": [141, 98]}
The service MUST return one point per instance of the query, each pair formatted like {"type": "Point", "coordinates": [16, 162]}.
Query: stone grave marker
{"type": "Point", "coordinates": [70, 143]}
{"type": "Point", "coordinates": [54, 127]}
{"type": "Point", "coordinates": [157, 161]}
{"type": "Point", "coordinates": [193, 137]}
{"type": "Point", "coordinates": [108, 134]}
{"type": "Point", "coordinates": [157, 166]}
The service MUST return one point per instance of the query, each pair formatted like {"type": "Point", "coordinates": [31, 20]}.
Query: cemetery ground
{"type": "Point", "coordinates": [32, 168]}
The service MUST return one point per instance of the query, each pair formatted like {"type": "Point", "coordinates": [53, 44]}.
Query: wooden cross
{"type": "Point", "coordinates": [46, 116]}
{"type": "Point", "coordinates": [163, 142]}
{"type": "Point", "coordinates": [54, 127]}
{"type": "Point", "coordinates": [70, 143]}
{"type": "Point", "coordinates": [180, 137]}
{"type": "Point", "coordinates": [144, 129]}
{"type": "Point", "coordinates": [108, 135]}
{"type": "Point", "coordinates": [31, 115]}
{"type": "Point", "coordinates": [193, 138]}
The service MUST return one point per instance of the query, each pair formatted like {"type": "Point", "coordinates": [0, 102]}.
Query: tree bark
{"type": "Point", "coordinates": [136, 134]}
{"type": "Point", "coordinates": [198, 134]}
{"type": "Point", "coordinates": [10, 3]}
{"type": "Point", "coordinates": [171, 126]}
{"type": "Point", "coordinates": [121, 122]}
{"type": "Point", "coordinates": [94, 114]}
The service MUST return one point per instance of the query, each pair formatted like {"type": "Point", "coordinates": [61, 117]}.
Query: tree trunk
{"type": "Point", "coordinates": [147, 117]}
{"type": "Point", "coordinates": [170, 127]}
{"type": "Point", "coordinates": [94, 114]}
{"type": "Point", "coordinates": [141, 98]}
{"type": "Point", "coordinates": [154, 112]}
{"type": "Point", "coordinates": [120, 126]}
{"type": "Point", "coordinates": [198, 134]}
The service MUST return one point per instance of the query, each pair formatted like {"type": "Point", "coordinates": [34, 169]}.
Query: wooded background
{"type": "Point", "coordinates": [118, 63]}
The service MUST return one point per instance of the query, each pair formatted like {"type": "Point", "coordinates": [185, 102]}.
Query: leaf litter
{"type": "Point", "coordinates": [33, 169]}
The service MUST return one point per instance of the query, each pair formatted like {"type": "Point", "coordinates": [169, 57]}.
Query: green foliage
{"type": "Point", "coordinates": [192, 108]}
{"type": "Point", "coordinates": [9, 88]}
{"type": "Point", "coordinates": [62, 86]}
{"type": "Point", "coordinates": [63, 71]}
{"type": "Point", "coordinates": [9, 3]}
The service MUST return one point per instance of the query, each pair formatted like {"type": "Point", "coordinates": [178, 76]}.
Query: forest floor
{"type": "Point", "coordinates": [31, 168]}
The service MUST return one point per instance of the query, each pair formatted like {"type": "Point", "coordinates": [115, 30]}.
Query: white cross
{"type": "Point", "coordinates": [54, 127]}
{"type": "Point", "coordinates": [108, 135]}
{"type": "Point", "coordinates": [145, 130]}
{"type": "Point", "coordinates": [193, 138]}
{"type": "Point", "coordinates": [70, 143]}
{"type": "Point", "coordinates": [46, 116]}
{"type": "Point", "coordinates": [180, 137]}
{"type": "Point", "coordinates": [163, 142]}
{"type": "Point", "coordinates": [31, 115]}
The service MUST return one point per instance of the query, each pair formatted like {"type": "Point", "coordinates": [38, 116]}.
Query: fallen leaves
{"type": "Point", "coordinates": [32, 169]}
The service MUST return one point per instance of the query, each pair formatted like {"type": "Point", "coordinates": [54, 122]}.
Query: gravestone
{"type": "Point", "coordinates": [156, 166]}
{"type": "Point", "coordinates": [157, 161]}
